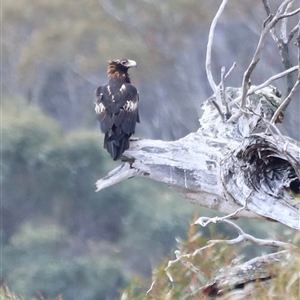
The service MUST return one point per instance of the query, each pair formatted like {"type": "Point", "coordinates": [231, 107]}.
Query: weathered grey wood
{"type": "Point", "coordinates": [271, 198]}
{"type": "Point", "coordinates": [230, 164]}
{"type": "Point", "coordinates": [211, 167]}
{"type": "Point", "coordinates": [189, 165]}
{"type": "Point", "coordinates": [256, 270]}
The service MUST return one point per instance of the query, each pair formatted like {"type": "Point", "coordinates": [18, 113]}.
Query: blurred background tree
{"type": "Point", "coordinates": [55, 54]}
{"type": "Point", "coordinates": [58, 236]}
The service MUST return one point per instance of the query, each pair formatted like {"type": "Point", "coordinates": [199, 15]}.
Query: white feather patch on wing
{"type": "Point", "coordinates": [99, 108]}
{"type": "Point", "coordinates": [123, 88]}
{"type": "Point", "coordinates": [130, 106]}
{"type": "Point", "coordinates": [108, 90]}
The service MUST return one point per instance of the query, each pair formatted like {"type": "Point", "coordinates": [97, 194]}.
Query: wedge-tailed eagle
{"type": "Point", "coordinates": [116, 107]}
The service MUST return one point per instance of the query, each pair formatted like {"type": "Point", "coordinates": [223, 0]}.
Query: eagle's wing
{"type": "Point", "coordinates": [102, 109]}
{"type": "Point", "coordinates": [117, 108]}
{"type": "Point", "coordinates": [127, 114]}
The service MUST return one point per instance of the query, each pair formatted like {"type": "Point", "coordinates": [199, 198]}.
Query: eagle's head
{"type": "Point", "coordinates": [117, 68]}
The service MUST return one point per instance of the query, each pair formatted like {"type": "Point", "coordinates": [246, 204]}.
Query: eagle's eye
{"type": "Point", "coordinates": [123, 61]}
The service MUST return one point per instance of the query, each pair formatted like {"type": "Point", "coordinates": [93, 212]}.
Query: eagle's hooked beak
{"type": "Point", "coordinates": [131, 63]}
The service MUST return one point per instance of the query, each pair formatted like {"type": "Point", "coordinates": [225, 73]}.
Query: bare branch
{"type": "Point", "coordinates": [223, 94]}
{"type": "Point", "coordinates": [230, 70]}
{"type": "Point", "coordinates": [255, 88]}
{"type": "Point", "coordinates": [222, 82]}
{"type": "Point", "coordinates": [267, 7]}
{"type": "Point", "coordinates": [209, 46]}
{"type": "Point", "coordinates": [283, 27]}
{"type": "Point", "coordinates": [205, 221]}
{"type": "Point", "coordinates": [244, 236]}
{"type": "Point", "coordinates": [117, 175]}
{"type": "Point", "coordinates": [256, 57]}
{"type": "Point", "coordinates": [151, 287]}
{"type": "Point", "coordinates": [269, 17]}
{"type": "Point", "coordinates": [296, 11]}
{"type": "Point", "coordinates": [289, 97]}
{"type": "Point", "coordinates": [292, 33]}
{"type": "Point", "coordinates": [283, 40]}
{"type": "Point", "coordinates": [180, 257]}
{"type": "Point", "coordinates": [286, 102]}
{"type": "Point", "coordinates": [217, 107]}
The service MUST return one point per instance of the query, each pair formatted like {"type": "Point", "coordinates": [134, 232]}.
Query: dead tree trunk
{"type": "Point", "coordinates": [237, 163]}
{"type": "Point", "coordinates": [220, 169]}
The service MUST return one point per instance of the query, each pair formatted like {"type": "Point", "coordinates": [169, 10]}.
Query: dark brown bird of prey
{"type": "Point", "coordinates": [117, 107]}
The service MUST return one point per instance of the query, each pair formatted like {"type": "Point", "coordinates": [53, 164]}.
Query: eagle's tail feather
{"type": "Point", "coordinates": [116, 147]}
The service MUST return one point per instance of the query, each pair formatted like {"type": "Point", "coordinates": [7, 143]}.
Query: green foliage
{"type": "Point", "coordinates": [161, 211]}
{"type": "Point", "coordinates": [175, 280]}
{"type": "Point", "coordinates": [60, 32]}
{"type": "Point", "coordinates": [42, 258]}
{"type": "Point", "coordinates": [7, 294]}
{"type": "Point", "coordinates": [71, 41]}
{"type": "Point", "coordinates": [25, 132]}
{"type": "Point", "coordinates": [55, 174]}
{"type": "Point", "coordinates": [59, 236]}
{"type": "Point", "coordinates": [26, 138]}
{"type": "Point", "coordinates": [190, 273]}
{"type": "Point", "coordinates": [183, 278]}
